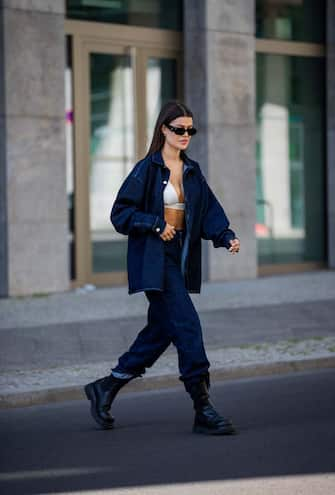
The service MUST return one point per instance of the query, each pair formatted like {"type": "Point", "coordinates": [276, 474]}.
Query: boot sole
{"type": "Point", "coordinates": [90, 394]}
{"type": "Point", "coordinates": [229, 430]}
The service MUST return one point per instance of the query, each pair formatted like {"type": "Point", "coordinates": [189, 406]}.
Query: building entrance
{"type": "Point", "coordinates": [118, 78]}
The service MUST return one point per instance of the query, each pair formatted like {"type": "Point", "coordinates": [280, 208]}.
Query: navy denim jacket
{"type": "Point", "coordinates": [138, 211]}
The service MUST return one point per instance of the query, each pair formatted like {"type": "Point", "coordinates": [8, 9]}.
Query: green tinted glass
{"type": "Point", "coordinates": [112, 153]}
{"type": "Point", "coordinates": [296, 20]}
{"type": "Point", "coordinates": [290, 158]}
{"type": "Point", "coordinates": [161, 86]}
{"type": "Point", "coordinates": [165, 14]}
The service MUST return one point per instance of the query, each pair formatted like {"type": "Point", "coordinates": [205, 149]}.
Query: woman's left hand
{"type": "Point", "coordinates": [235, 246]}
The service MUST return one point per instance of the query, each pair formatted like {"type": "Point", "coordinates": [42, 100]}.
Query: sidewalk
{"type": "Point", "coordinates": [50, 346]}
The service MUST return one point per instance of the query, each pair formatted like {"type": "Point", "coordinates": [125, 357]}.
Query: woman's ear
{"type": "Point", "coordinates": [163, 129]}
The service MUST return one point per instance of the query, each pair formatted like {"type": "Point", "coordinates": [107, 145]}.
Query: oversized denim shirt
{"type": "Point", "coordinates": [138, 212]}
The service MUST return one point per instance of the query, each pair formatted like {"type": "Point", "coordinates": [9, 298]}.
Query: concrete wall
{"type": "Point", "coordinates": [32, 121]}
{"type": "Point", "coordinates": [330, 17]}
{"type": "Point", "coordinates": [220, 89]}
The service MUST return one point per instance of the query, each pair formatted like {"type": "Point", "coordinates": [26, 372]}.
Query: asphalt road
{"type": "Point", "coordinates": [286, 435]}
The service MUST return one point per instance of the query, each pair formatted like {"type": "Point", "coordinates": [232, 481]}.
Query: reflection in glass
{"type": "Point", "coordinates": [164, 14]}
{"type": "Point", "coordinates": [112, 153]}
{"type": "Point", "coordinates": [69, 153]}
{"type": "Point", "coordinates": [161, 87]}
{"type": "Point", "coordinates": [290, 159]}
{"type": "Point", "coordinates": [296, 20]}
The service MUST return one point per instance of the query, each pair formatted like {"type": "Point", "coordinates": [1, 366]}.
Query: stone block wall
{"type": "Point", "coordinates": [219, 61]}
{"type": "Point", "coordinates": [34, 214]}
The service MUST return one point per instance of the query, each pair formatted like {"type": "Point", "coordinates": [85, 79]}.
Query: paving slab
{"type": "Point", "coordinates": [114, 303]}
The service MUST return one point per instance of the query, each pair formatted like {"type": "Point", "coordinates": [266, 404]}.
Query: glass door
{"type": "Point", "coordinates": [112, 152]}
{"type": "Point", "coordinates": [162, 84]}
{"type": "Point", "coordinates": [118, 91]}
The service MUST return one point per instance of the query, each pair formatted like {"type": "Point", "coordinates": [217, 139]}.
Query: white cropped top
{"type": "Point", "coordinates": [171, 197]}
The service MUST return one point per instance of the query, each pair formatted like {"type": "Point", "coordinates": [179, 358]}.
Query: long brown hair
{"type": "Point", "coordinates": [170, 111]}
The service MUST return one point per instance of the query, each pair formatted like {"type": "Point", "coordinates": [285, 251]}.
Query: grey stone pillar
{"type": "Point", "coordinates": [3, 174]}
{"type": "Point", "coordinates": [33, 221]}
{"type": "Point", "coordinates": [330, 61]}
{"type": "Point", "coordinates": [219, 87]}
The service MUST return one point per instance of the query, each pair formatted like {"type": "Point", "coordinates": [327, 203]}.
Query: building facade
{"type": "Point", "coordinates": [82, 82]}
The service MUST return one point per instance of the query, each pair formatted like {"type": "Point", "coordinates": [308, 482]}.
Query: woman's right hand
{"type": "Point", "coordinates": [168, 233]}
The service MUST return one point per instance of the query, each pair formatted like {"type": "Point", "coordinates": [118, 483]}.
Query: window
{"type": "Point", "coordinates": [163, 14]}
{"type": "Point", "coordinates": [290, 156]}
{"type": "Point", "coordinates": [295, 20]}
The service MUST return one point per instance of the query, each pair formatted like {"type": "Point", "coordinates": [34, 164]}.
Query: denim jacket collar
{"type": "Point", "coordinates": [157, 158]}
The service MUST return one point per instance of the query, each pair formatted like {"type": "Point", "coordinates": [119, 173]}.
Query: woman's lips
{"type": "Point", "coordinates": [184, 141]}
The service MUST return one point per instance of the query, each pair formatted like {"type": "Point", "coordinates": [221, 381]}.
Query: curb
{"type": "Point", "coordinates": [47, 396]}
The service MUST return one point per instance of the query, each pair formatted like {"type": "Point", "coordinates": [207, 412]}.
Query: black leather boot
{"type": "Point", "coordinates": [101, 393]}
{"type": "Point", "coordinates": [207, 420]}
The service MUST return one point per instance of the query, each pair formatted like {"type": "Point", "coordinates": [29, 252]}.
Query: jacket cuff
{"type": "Point", "coordinates": [159, 225]}
{"type": "Point", "coordinates": [229, 236]}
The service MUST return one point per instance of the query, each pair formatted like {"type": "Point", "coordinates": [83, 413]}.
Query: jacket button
{"type": "Point", "coordinates": [164, 181]}
{"type": "Point", "coordinates": [158, 229]}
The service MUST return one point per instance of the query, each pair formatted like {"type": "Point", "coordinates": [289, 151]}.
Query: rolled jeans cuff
{"type": "Point", "coordinates": [118, 374]}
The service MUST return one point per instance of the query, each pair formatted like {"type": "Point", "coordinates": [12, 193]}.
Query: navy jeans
{"type": "Point", "coordinates": [172, 318]}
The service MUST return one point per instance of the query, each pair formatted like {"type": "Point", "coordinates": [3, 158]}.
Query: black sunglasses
{"type": "Point", "coordinates": [181, 130]}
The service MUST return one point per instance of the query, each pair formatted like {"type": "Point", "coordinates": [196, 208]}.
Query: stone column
{"type": "Point", "coordinates": [219, 51]}
{"type": "Point", "coordinates": [3, 174]}
{"type": "Point", "coordinates": [34, 249]}
{"type": "Point", "coordinates": [330, 78]}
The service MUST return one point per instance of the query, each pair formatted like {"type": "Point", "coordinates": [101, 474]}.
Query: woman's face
{"type": "Point", "coordinates": [173, 139]}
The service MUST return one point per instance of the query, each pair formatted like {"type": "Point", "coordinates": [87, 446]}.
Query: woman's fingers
{"type": "Point", "coordinates": [170, 233]}
{"type": "Point", "coordinates": [235, 246]}
{"type": "Point", "coordinates": [167, 238]}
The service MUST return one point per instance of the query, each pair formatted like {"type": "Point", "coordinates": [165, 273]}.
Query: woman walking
{"type": "Point", "coordinates": [166, 207]}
